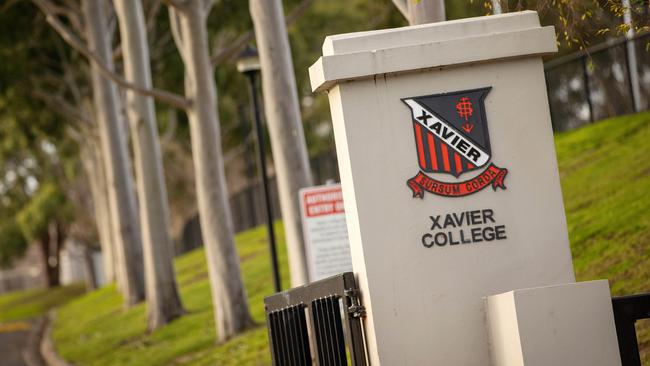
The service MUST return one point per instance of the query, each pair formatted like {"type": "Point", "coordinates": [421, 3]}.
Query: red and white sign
{"type": "Point", "coordinates": [325, 230]}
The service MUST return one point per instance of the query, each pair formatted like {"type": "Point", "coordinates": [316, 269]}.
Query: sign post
{"type": "Point", "coordinates": [326, 234]}
{"type": "Point", "coordinates": [450, 182]}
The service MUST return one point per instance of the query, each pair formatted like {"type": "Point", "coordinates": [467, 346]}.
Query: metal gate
{"type": "Point", "coordinates": [317, 324]}
{"type": "Point", "coordinates": [627, 310]}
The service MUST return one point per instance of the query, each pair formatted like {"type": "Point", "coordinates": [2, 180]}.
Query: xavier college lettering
{"type": "Point", "coordinates": [451, 137]}
{"type": "Point", "coordinates": [466, 227]}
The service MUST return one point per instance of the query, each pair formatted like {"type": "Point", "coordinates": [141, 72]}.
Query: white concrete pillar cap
{"type": "Point", "coordinates": [366, 54]}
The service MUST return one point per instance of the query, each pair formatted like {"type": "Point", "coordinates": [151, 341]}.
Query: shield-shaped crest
{"type": "Point", "coordinates": [451, 134]}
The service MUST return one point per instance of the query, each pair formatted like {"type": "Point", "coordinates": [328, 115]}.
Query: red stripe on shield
{"type": "Point", "coordinates": [418, 140]}
{"type": "Point", "coordinates": [459, 166]}
{"type": "Point", "coordinates": [432, 151]}
{"type": "Point", "coordinates": [445, 157]}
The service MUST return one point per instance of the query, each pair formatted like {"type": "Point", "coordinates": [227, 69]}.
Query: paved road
{"type": "Point", "coordinates": [13, 339]}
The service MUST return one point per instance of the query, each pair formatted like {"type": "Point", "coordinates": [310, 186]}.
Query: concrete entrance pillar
{"type": "Point", "coordinates": [449, 176]}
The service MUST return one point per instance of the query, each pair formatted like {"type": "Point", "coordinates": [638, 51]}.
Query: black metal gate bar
{"type": "Point", "coordinates": [320, 341]}
{"type": "Point", "coordinates": [326, 315]}
{"type": "Point", "coordinates": [330, 330]}
{"type": "Point", "coordinates": [304, 335]}
{"type": "Point", "coordinates": [627, 310]}
{"type": "Point", "coordinates": [289, 336]}
{"type": "Point", "coordinates": [337, 323]}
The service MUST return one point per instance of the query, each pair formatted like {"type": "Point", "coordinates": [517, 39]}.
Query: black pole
{"type": "Point", "coordinates": [261, 164]}
{"type": "Point", "coordinates": [250, 175]}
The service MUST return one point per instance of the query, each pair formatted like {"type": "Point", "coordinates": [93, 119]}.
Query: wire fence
{"type": "Point", "coordinates": [248, 204]}
{"type": "Point", "coordinates": [591, 85]}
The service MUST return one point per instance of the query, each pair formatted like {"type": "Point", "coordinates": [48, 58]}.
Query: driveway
{"type": "Point", "coordinates": [13, 340]}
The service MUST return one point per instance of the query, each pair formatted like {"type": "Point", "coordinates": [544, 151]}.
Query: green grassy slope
{"type": "Point", "coordinates": [605, 178]}
{"type": "Point", "coordinates": [605, 173]}
{"type": "Point", "coordinates": [22, 305]}
{"type": "Point", "coordinates": [96, 331]}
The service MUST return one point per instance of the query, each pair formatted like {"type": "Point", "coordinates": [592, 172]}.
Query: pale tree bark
{"type": "Point", "coordinates": [421, 11]}
{"type": "Point", "coordinates": [119, 178]}
{"type": "Point", "coordinates": [426, 11]}
{"type": "Point", "coordinates": [496, 7]}
{"type": "Point", "coordinates": [94, 168]}
{"type": "Point", "coordinates": [236, 45]}
{"type": "Point", "coordinates": [89, 269]}
{"type": "Point", "coordinates": [53, 11]}
{"type": "Point", "coordinates": [290, 159]}
{"type": "Point", "coordinates": [232, 315]}
{"type": "Point", "coordinates": [83, 131]}
{"type": "Point", "coordinates": [163, 300]}
{"type": "Point", "coordinates": [630, 48]}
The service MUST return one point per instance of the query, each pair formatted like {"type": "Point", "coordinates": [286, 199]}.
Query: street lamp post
{"type": "Point", "coordinates": [250, 174]}
{"type": "Point", "coordinates": [249, 65]}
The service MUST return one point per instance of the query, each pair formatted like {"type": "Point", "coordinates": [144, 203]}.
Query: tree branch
{"type": "Point", "coordinates": [152, 13]}
{"type": "Point", "coordinates": [402, 7]}
{"type": "Point", "coordinates": [170, 130]}
{"type": "Point", "coordinates": [177, 4]}
{"type": "Point", "coordinates": [243, 39]}
{"type": "Point", "coordinates": [71, 14]}
{"type": "Point", "coordinates": [69, 74]}
{"type": "Point", "coordinates": [60, 106]}
{"type": "Point", "coordinates": [164, 96]}
{"type": "Point", "coordinates": [207, 6]}
{"type": "Point", "coordinates": [177, 34]}
{"type": "Point", "coordinates": [69, 79]}
{"type": "Point", "coordinates": [74, 134]}
{"type": "Point", "coordinates": [174, 24]}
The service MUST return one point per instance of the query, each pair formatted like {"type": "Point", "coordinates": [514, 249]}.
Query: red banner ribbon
{"type": "Point", "coordinates": [492, 174]}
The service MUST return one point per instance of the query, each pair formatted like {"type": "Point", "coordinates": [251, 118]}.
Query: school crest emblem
{"type": "Point", "coordinates": [451, 138]}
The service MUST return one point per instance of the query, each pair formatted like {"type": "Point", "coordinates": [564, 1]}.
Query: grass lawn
{"type": "Point", "coordinates": [605, 178]}
{"type": "Point", "coordinates": [95, 330]}
{"type": "Point", "coordinates": [23, 305]}
{"type": "Point", "coordinates": [605, 173]}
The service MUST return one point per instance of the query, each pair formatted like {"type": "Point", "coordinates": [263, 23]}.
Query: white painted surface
{"type": "Point", "coordinates": [326, 234]}
{"type": "Point", "coordinates": [570, 324]}
{"type": "Point", "coordinates": [340, 44]}
{"type": "Point", "coordinates": [503, 330]}
{"type": "Point", "coordinates": [429, 46]}
{"type": "Point", "coordinates": [425, 305]}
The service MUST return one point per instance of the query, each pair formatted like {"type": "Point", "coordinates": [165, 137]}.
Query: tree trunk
{"type": "Point", "coordinates": [122, 202]}
{"type": "Point", "coordinates": [630, 48]}
{"type": "Point", "coordinates": [89, 269]}
{"type": "Point", "coordinates": [51, 278]}
{"type": "Point", "coordinates": [51, 245]}
{"type": "Point", "coordinates": [290, 157]}
{"type": "Point", "coordinates": [94, 168]}
{"type": "Point", "coordinates": [426, 11]}
{"type": "Point", "coordinates": [496, 7]}
{"type": "Point", "coordinates": [163, 301]}
{"type": "Point", "coordinates": [228, 292]}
